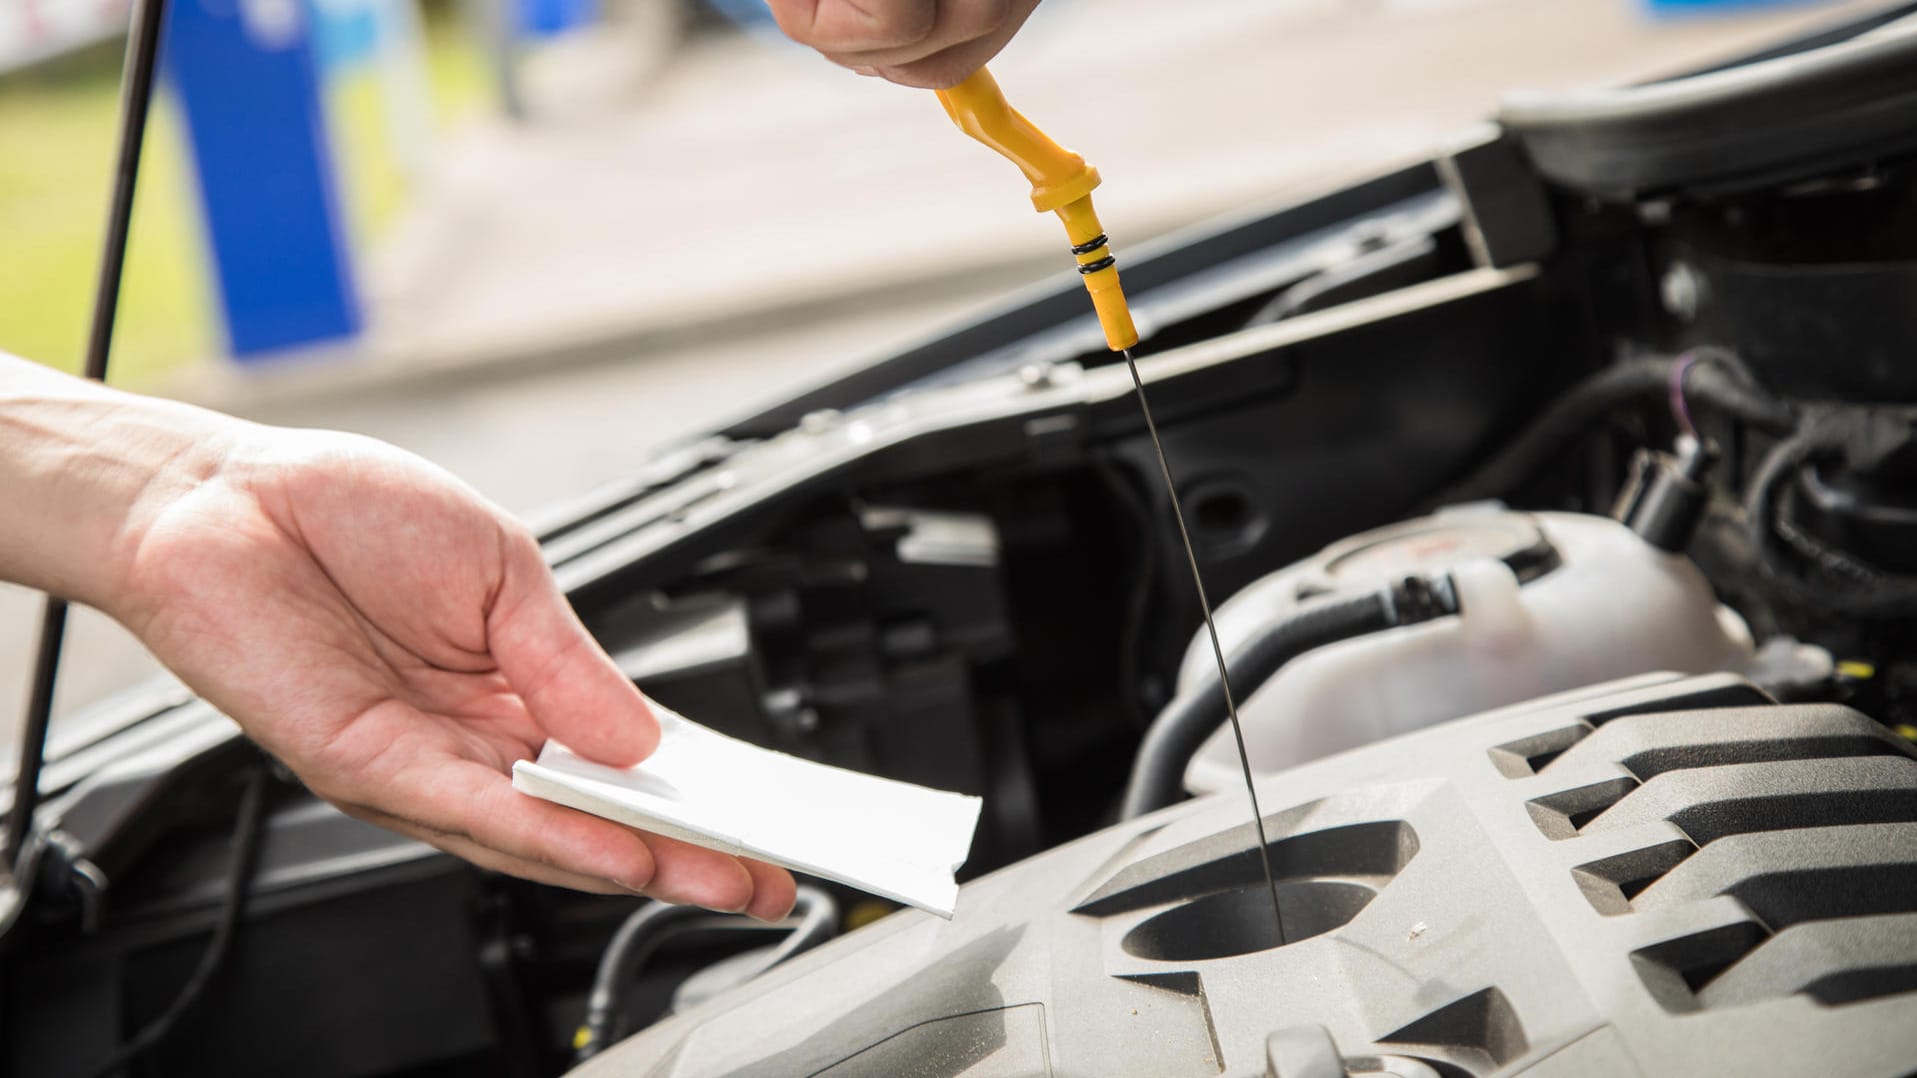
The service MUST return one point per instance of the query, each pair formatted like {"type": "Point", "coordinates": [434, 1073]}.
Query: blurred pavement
{"type": "Point", "coordinates": [756, 217]}
{"type": "Point", "coordinates": [745, 182]}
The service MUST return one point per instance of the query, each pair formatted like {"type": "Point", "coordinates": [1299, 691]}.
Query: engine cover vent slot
{"type": "Point", "coordinates": [1225, 924]}
{"type": "Point", "coordinates": [1675, 970]}
{"type": "Point", "coordinates": [1651, 745]}
{"type": "Point", "coordinates": [1585, 712]}
{"type": "Point", "coordinates": [1612, 882]}
{"type": "Point", "coordinates": [1563, 814]}
{"type": "Point", "coordinates": [1842, 902]}
{"type": "Point", "coordinates": [1833, 872]}
{"type": "Point", "coordinates": [1372, 851]}
{"type": "Point", "coordinates": [1481, 1028]}
{"type": "Point", "coordinates": [1833, 962]}
{"type": "Point", "coordinates": [1716, 803]}
{"type": "Point", "coordinates": [1527, 756]}
{"type": "Point", "coordinates": [1207, 899]}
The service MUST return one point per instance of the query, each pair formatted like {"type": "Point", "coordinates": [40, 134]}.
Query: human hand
{"type": "Point", "coordinates": [932, 44]}
{"type": "Point", "coordinates": [399, 642]}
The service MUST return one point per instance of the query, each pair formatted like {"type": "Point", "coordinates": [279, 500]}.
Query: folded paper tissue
{"type": "Point", "coordinates": [888, 838]}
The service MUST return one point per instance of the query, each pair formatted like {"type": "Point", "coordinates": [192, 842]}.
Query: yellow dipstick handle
{"type": "Point", "coordinates": [1062, 183]}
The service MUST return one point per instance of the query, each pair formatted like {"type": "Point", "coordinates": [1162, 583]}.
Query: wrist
{"type": "Point", "coordinates": [171, 455]}
{"type": "Point", "coordinates": [90, 470]}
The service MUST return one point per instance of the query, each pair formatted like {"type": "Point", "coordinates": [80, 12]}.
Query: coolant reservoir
{"type": "Point", "coordinates": [1550, 602]}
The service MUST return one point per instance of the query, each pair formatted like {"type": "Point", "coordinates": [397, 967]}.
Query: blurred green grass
{"type": "Point", "coordinates": [56, 141]}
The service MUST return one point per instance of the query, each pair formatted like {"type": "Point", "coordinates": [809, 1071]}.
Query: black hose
{"type": "Point", "coordinates": [649, 926]}
{"type": "Point", "coordinates": [1828, 580]}
{"type": "Point", "coordinates": [247, 833]}
{"type": "Point", "coordinates": [1721, 383]}
{"type": "Point", "coordinates": [631, 945]}
{"type": "Point", "coordinates": [1178, 731]}
{"type": "Point", "coordinates": [1138, 602]}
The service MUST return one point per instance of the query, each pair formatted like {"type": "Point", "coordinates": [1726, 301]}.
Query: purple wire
{"type": "Point", "coordinates": [1680, 405]}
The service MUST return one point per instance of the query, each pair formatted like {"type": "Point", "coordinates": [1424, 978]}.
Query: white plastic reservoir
{"type": "Point", "coordinates": [1549, 601]}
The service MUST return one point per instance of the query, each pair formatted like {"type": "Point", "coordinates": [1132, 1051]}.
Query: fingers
{"type": "Point", "coordinates": [467, 808]}
{"type": "Point", "coordinates": [855, 25]}
{"type": "Point", "coordinates": [956, 22]}
{"type": "Point", "coordinates": [774, 891]}
{"type": "Point", "coordinates": [926, 43]}
{"type": "Point", "coordinates": [947, 69]}
{"type": "Point", "coordinates": [571, 688]}
{"type": "Point", "coordinates": [467, 850]}
{"type": "Point", "coordinates": [696, 876]}
{"type": "Point", "coordinates": [472, 801]}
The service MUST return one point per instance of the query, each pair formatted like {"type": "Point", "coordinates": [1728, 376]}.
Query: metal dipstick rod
{"type": "Point", "coordinates": [1062, 183]}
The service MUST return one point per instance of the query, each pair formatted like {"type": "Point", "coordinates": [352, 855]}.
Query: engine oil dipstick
{"type": "Point", "coordinates": [1062, 183]}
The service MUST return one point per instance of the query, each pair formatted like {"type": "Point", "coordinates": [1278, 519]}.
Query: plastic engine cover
{"type": "Point", "coordinates": [1549, 601]}
{"type": "Point", "coordinates": [1656, 877]}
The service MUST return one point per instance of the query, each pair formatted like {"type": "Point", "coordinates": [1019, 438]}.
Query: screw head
{"type": "Point", "coordinates": [1035, 375]}
{"type": "Point", "coordinates": [1682, 291]}
{"type": "Point", "coordinates": [820, 421]}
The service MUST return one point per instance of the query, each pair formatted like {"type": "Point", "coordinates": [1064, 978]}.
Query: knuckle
{"type": "Point", "coordinates": [978, 18]}
{"type": "Point", "coordinates": [352, 809]}
{"type": "Point", "coordinates": [895, 23]}
{"type": "Point", "coordinates": [517, 541]}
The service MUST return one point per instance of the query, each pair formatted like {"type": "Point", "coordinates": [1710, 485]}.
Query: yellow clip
{"type": "Point", "coordinates": [1856, 670]}
{"type": "Point", "coordinates": [1062, 183]}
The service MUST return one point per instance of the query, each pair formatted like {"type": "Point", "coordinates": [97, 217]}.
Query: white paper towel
{"type": "Point", "coordinates": [893, 839]}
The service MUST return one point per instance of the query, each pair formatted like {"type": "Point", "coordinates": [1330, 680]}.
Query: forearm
{"type": "Point", "coordinates": [82, 468]}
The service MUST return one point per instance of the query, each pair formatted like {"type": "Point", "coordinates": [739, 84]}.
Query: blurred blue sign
{"type": "Point", "coordinates": [346, 32]}
{"type": "Point", "coordinates": [1707, 7]}
{"type": "Point", "coordinates": [547, 18]}
{"type": "Point", "coordinates": [752, 13]}
{"type": "Point", "coordinates": [247, 79]}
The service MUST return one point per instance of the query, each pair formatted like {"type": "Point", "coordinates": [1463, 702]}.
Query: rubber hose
{"type": "Point", "coordinates": [1721, 384]}
{"type": "Point", "coordinates": [248, 832]}
{"type": "Point", "coordinates": [818, 921]}
{"type": "Point", "coordinates": [642, 932]}
{"type": "Point", "coordinates": [1846, 585]}
{"type": "Point", "coordinates": [638, 936]}
{"type": "Point", "coordinates": [1185, 723]}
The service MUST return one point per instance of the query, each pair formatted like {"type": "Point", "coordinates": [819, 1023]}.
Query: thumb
{"type": "Point", "coordinates": [569, 684]}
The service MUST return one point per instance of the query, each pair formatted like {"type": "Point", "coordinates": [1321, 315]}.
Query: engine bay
{"type": "Point", "coordinates": [1608, 410]}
